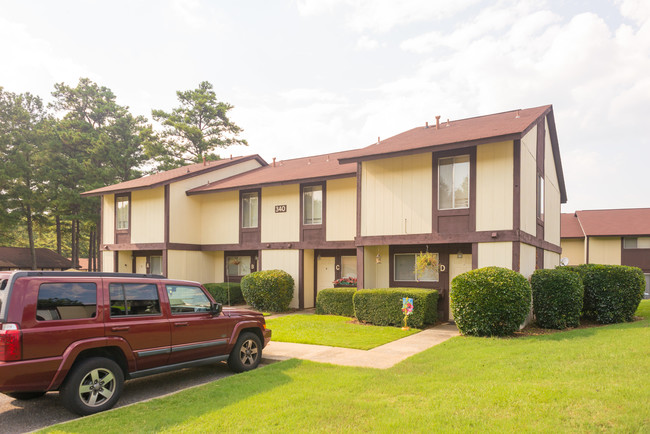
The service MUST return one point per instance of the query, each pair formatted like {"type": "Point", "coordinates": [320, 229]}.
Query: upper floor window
{"type": "Point", "coordinates": [312, 203]}
{"type": "Point", "coordinates": [636, 243]}
{"type": "Point", "coordinates": [453, 182]}
{"type": "Point", "coordinates": [122, 213]}
{"type": "Point", "coordinates": [249, 210]}
{"type": "Point", "coordinates": [540, 197]}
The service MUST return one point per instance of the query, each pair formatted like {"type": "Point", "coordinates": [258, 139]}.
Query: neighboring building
{"type": "Point", "coordinates": [608, 236]}
{"type": "Point", "coordinates": [20, 258]}
{"type": "Point", "coordinates": [474, 192]}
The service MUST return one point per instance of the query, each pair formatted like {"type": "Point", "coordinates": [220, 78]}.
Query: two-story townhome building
{"type": "Point", "coordinates": [149, 225]}
{"type": "Point", "coordinates": [472, 192]}
{"type": "Point", "coordinates": [608, 236]}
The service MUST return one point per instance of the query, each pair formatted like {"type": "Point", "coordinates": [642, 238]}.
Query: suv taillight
{"type": "Point", "coordinates": [10, 342]}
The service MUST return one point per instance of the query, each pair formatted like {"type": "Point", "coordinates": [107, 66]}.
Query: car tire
{"type": "Point", "coordinates": [247, 353]}
{"type": "Point", "coordinates": [92, 386]}
{"type": "Point", "coordinates": [24, 396]}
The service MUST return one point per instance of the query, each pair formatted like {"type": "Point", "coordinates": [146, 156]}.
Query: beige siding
{"type": "Point", "coordinates": [108, 219]}
{"type": "Point", "coordinates": [220, 218]}
{"type": "Point", "coordinates": [527, 259]}
{"type": "Point", "coordinates": [396, 195]}
{"type": "Point", "coordinates": [308, 279]}
{"type": "Point", "coordinates": [192, 265]}
{"type": "Point", "coordinates": [341, 205]}
{"type": "Point", "coordinates": [185, 211]}
{"type": "Point", "coordinates": [495, 254]}
{"type": "Point", "coordinates": [376, 275]}
{"type": "Point", "coordinates": [574, 250]}
{"type": "Point", "coordinates": [286, 260]}
{"type": "Point", "coordinates": [148, 216]}
{"type": "Point", "coordinates": [108, 261]}
{"type": "Point", "coordinates": [551, 259]}
{"type": "Point", "coordinates": [605, 250]}
{"type": "Point", "coordinates": [494, 186]}
{"type": "Point", "coordinates": [124, 262]}
{"type": "Point", "coordinates": [528, 186]}
{"type": "Point", "coordinates": [285, 226]}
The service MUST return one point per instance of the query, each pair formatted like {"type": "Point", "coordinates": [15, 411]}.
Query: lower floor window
{"type": "Point", "coordinates": [238, 265]}
{"type": "Point", "coordinates": [406, 269]}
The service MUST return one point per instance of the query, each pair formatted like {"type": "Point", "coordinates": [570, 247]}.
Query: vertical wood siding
{"type": "Point", "coordinates": [574, 249]}
{"type": "Point", "coordinates": [528, 188]}
{"type": "Point", "coordinates": [552, 199]}
{"type": "Point", "coordinates": [108, 223]}
{"type": "Point", "coordinates": [220, 218]}
{"type": "Point", "coordinates": [341, 209]}
{"type": "Point", "coordinates": [527, 258]}
{"type": "Point", "coordinates": [285, 226]}
{"type": "Point", "coordinates": [494, 175]}
{"type": "Point", "coordinates": [605, 250]}
{"type": "Point", "coordinates": [497, 254]}
{"type": "Point", "coordinates": [148, 215]}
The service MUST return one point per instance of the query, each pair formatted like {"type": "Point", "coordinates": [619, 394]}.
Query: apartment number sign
{"type": "Point", "coordinates": [280, 208]}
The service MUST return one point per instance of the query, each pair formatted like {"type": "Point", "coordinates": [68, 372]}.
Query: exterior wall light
{"type": "Point", "coordinates": [378, 258]}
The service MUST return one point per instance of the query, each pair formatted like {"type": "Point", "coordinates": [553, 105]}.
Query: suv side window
{"type": "Point", "coordinates": [134, 299]}
{"type": "Point", "coordinates": [61, 301]}
{"type": "Point", "coordinates": [187, 299]}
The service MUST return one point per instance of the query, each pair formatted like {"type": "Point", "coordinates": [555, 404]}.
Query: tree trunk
{"type": "Point", "coordinates": [30, 234]}
{"type": "Point", "coordinates": [91, 249]}
{"type": "Point", "coordinates": [73, 244]}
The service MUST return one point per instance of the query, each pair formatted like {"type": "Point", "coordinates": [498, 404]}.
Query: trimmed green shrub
{"type": "Point", "coordinates": [490, 301]}
{"type": "Point", "coordinates": [268, 290]}
{"type": "Point", "coordinates": [612, 292]}
{"type": "Point", "coordinates": [384, 306]}
{"type": "Point", "coordinates": [219, 292]}
{"type": "Point", "coordinates": [335, 301]}
{"type": "Point", "coordinates": [557, 298]}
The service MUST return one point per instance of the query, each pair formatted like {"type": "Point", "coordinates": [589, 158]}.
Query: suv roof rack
{"type": "Point", "coordinates": [85, 274]}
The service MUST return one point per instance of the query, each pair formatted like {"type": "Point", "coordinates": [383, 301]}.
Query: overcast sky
{"type": "Point", "coordinates": [315, 76]}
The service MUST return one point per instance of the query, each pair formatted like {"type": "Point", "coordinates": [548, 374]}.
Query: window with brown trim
{"type": "Point", "coordinates": [540, 197]}
{"type": "Point", "coordinates": [249, 210]}
{"type": "Point", "coordinates": [122, 204]}
{"type": "Point", "coordinates": [312, 205]}
{"type": "Point", "coordinates": [453, 182]}
{"type": "Point", "coordinates": [405, 269]}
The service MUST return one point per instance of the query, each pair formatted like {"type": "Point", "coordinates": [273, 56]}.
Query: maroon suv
{"type": "Point", "coordinates": [85, 333]}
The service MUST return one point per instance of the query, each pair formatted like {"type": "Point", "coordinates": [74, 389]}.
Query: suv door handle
{"type": "Point", "coordinates": [181, 324]}
{"type": "Point", "coordinates": [120, 329]}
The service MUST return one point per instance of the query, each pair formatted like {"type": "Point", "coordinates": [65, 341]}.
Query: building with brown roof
{"type": "Point", "coordinates": [471, 192]}
{"type": "Point", "coordinates": [20, 258]}
{"type": "Point", "coordinates": [608, 236]}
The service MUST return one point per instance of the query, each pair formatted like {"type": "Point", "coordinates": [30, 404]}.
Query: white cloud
{"type": "Point", "coordinates": [383, 15]}
{"type": "Point", "coordinates": [366, 43]}
{"type": "Point", "coordinates": [190, 11]}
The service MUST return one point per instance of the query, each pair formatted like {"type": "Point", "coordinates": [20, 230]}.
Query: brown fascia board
{"type": "Point", "coordinates": [556, 155]}
{"type": "Point", "coordinates": [198, 190]}
{"type": "Point", "coordinates": [178, 178]}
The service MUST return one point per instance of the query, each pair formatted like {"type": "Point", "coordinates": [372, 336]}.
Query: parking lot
{"type": "Point", "coordinates": [26, 416]}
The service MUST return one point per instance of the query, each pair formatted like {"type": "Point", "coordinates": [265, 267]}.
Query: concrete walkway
{"type": "Point", "coordinates": [382, 357]}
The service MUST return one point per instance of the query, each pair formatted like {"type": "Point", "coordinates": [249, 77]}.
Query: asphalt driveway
{"type": "Point", "coordinates": [26, 416]}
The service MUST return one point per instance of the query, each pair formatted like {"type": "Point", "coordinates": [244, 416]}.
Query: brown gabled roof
{"type": "Point", "coordinates": [20, 257]}
{"type": "Point", "coordinates": [570, 226]}
{"type": "Point", "coordinates": [511, 125]}
{"type": "Point", "coordinates": [305, 169]}
{"type": "Point", "coordinates": [612, 222]}
{"type": "Point", "coordinates": [169, 176]}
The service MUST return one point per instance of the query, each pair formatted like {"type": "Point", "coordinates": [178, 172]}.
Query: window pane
{"type": "Point", "coordinates": [643, 243]}
{"type": "Point", "coordinates": [405, 266]}
{"type": "Point", "coordinates": [430, 274]}
{"type": "Point", "coordinates": [238, 265]}
{"type": "Point", "coordinates": [249, 210]}
{"type": "Point", "coordinates": [461, 182]}
{"type": "Point", "coordinates": [122, 213]}
{"type": "Point", "coordinates": [58, 301]}
{"type": "Point", "coordinates": [630, 243]}
{"type": "Point", "coordinates": [187, 299]}
{"type": "Point", "coordinates": [540, 197]}
{"type": "Point", "coordinates": [349, 266]}
{"type": "Point", "coordinates": [156, 265]}
{"type": "Point", "coordinates": [445, 181]}
{"type": "Point", "coordinates": [313, 205]}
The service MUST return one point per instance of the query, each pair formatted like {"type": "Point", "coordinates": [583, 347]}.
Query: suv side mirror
{"type": "Point", "coordinates": [215, 308]}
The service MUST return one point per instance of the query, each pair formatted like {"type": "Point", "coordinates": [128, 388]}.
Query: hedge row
{"type": "Point", "coordinates": [225, 293]}
{"type": "Point", "coordinates": [268, 290]}
{"type": "Point", "coordinates": [335, 301]}
{"type": "Point", "coordinates": [380, 306]}
{"type": "Point", "coordinates": [490, 301]}
{"type": "Point", "coordinates": [612, 292]}
{"type": "Point", "coordinates": [557, 298]}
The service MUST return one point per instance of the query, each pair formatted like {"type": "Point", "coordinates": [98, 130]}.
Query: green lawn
{"type": "Point", "coordinates": [585, 380]}
{"type": "Point", "coordinates": [336, 331]}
